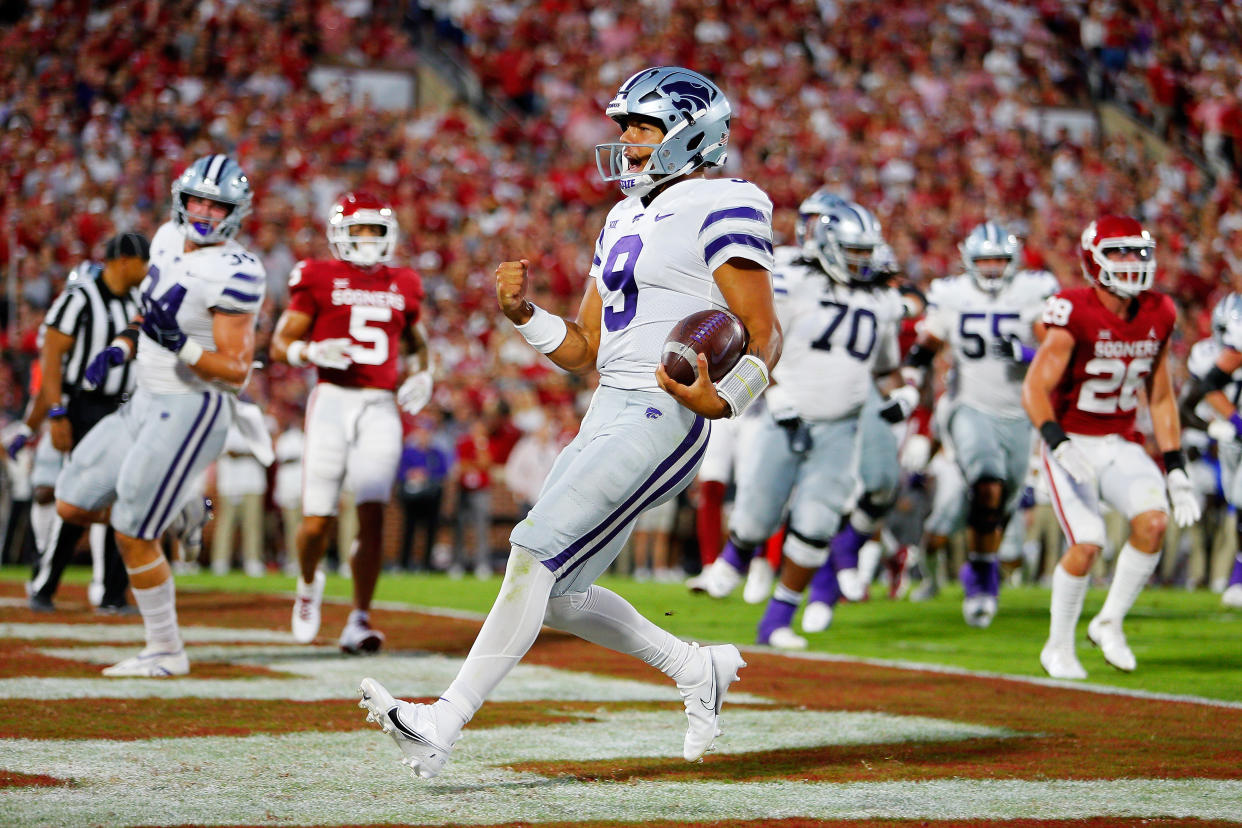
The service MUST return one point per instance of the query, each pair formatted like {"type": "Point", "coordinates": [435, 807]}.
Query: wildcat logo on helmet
{"type": "Point", "coordinates": [688, 96]}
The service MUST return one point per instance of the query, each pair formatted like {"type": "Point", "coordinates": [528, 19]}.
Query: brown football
{"type": "Point", "coordinates": [717, 334]}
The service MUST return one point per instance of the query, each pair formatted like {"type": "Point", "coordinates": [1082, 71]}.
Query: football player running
{"type": "Point", "coordinates": [1211, 400]}
{"type": "Point", "coordinates": [987, 317]}
{"type": "Point", "coordinates": [1104, 343]}
{"type": "Point", "coordinates": [678, 243]}
{"type": "Point", "coordinates": [350, 318]}
{"type": "Point", "coordinates": [879, 467]}
{"type": "Point", "coordinates": [840, 329]}
{"type": "Point", "coordinates": [193, 347]}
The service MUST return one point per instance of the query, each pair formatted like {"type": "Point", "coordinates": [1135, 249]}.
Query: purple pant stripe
{"type": "Point", "coordinates": [673, 481]}
{"type": "Point", "coordinates": [185, 475]}
{"type": "Point", "coordinates": [668, 462]}
{"type": "Point", "coordinates": [172, 467]}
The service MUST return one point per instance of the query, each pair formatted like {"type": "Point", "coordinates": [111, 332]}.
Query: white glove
{"type": "Point", "coordinates": [1186, 507]}
{"type": "Point", "coordinates": [900, 402]}
{"type": "Point", "coordinates": [415, 392]}
{"type": "Point", "coordinates": [915, 453]}
{"type": "Point", "coordinates": [331, 353]}
{"type": "Point", "coordinates": [1222, 431]}
{"type": "Point", "coordinates": [1070, 458]}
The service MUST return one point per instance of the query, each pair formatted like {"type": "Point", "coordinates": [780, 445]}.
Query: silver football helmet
{"type": "Point", "coordinates": [219, 178]}
{"type": "Point", "coordinates": [843, 240]}
{"type": "Point", "coordinates": [813, 206]}
{"type": "Point", "coordinates": [991, 241]}
{"type": "Point", "coordinates": [691, 110]}
{"type": "Point", "coordinates": [1228, 310]}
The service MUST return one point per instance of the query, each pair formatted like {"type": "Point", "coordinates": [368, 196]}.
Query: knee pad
{"type": "Point", "coordinates": [983, 518]}
{"type": "Point", "coordinates": [805, 552]}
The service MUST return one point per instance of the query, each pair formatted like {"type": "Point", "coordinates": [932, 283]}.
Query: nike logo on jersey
{"type": "Point", "coordinates": [1106, 334]}
{"type": "Point", "coordinates": [1151, 332]}
{"type": "Point", "coordinates": [662, 217]}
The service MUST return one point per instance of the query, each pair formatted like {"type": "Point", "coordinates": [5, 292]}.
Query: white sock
{"type": "Point", "coordinates": [43, 518]}
{"type": "Point", "coordinates": [99, 534]}
{"type": "Point", "coordinates": [358, 615]}
{"type": "Point", "coordinates": [786, 595]}
{"type": "Point", "coordinates": [1068, 593]}
{"type": "Point", "coordinates": [1133, 570]}
{"type": "Point", "coordinates": [603, 617]}
{"type": "Point", "coordinates": [511, 627]}
{"type": "Point", "coordinates": [158, 606]}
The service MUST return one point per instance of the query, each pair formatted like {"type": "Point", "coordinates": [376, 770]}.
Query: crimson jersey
{"type": "Point", "coordinates": [370, 306]}
{"type": "Point", "coordinates": [1112, 358]}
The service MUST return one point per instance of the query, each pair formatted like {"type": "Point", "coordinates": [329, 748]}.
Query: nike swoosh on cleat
{"type": "Point", "coordinates": [397, 723]}
{"type": "Point", "coordinates": [712, 701]}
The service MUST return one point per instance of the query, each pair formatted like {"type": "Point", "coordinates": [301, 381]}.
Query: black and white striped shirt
{"type": "Point", "coordinates": [93, 315]}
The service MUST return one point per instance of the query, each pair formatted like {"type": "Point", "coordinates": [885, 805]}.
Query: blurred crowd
{"type": "Point", "coordinates": [936, 116]}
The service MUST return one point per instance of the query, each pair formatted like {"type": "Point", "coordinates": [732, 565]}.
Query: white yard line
{"type": "Point", "coordinates": [334, 778]}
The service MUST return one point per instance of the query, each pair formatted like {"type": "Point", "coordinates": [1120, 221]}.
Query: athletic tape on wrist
{"type": "Point", "coordinates": [544, 331]}
{"type": "Point", "coordinates": [295, 354]}
{"type": "Point", "coordinates": [743, 384]}
{"type": "Point", "coordinates": [191, 352]}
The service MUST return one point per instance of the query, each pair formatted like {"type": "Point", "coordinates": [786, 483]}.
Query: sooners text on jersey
{"type": "Point", "coordinates": [372, 307]}
{"type": "Point", "coordinates": [1112, 358]}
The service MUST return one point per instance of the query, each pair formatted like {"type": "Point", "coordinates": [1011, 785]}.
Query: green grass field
{"type": "Point", "coordinates": [1185, 642]}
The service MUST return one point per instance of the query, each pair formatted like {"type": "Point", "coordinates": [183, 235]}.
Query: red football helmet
{"type": "Point", "coordinates": [1119, 255]}
{"type": "Point", "coordinates": [361, 210]}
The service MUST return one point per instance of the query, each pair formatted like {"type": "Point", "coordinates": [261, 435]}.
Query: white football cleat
{"type": "Point", "coordinates": [148, 664]}
{"type": "Point", "coordinates": [703, 700]}
{"type": "Point", "coordinates": [979, 610]}
{"type": "Point", "coordinates": [360, 637]}
{"type": "Point", "coordinates": [95, 593]}
{"type": "Point", "coordinates": [1232, 596]}
{"type": "Point", "coordinates": [306, 608]}
{"type": "Point", "coordinates": [784, 638]}
{"type": "Point", "coordinates": [411, 726]}
{"type": "Point", "coordinates": [817, 617]}
{"type": "Point", "coordinates": [1061, 662]}
{"type": "Point", "coordinates": [759, 580]}
{"type": "Point", "coordinates": [1108, 636]}
{"type": "Point", "coordinates": [720, 578]}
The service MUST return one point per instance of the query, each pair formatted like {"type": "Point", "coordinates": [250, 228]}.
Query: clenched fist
{"type": "Point", "coordinates": [511, 291]}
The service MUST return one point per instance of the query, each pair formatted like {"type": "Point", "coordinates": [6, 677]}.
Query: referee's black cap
{"type": "Point", "coordinates": [127, 245]}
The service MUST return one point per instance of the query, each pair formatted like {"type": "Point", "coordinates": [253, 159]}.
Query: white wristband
{"type": "Point", "coordinates": [544, 331]}
{"type": "Point", "coordinates": [190, 352]}
{"type": "Point", "coordinates": [743, 384]}
{"type": "Point", "coordinates": [295, 354]}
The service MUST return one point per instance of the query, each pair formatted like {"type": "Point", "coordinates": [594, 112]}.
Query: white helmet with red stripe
{"type": "Point", "coordinates": [360, 210]}
{"type": "Point", "coordinates": [1119, 255]}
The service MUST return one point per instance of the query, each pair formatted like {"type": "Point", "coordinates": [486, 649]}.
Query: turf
{"type": "Point", "coordinates": [1185, 642]}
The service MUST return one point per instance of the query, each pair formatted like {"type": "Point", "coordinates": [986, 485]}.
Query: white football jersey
{"type": "Point", "coordinates": [1199, 363]}
{"type": "Point", "coordinates": [973, 321]}
{"type": "Point", "coordinates": [836, 338]}
{"type": "Point", "coordinates": [653, 267]}
{"type": "Point", "coordinates": [224, 277]}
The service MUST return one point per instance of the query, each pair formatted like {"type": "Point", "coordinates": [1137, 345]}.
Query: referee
{"type": "Point", "coordinates": [82, 321]}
